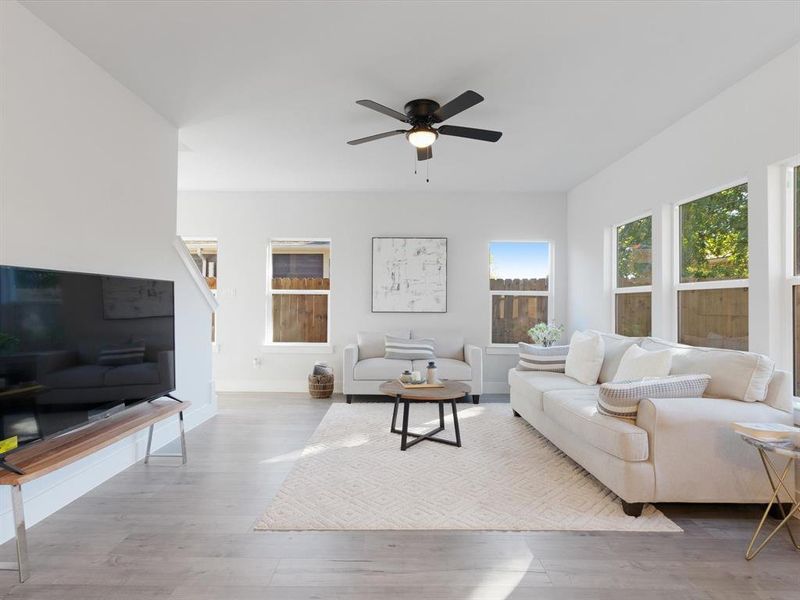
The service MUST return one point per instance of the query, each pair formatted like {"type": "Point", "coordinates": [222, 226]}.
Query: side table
{"type": "Point", "coordinates": [777, 481]}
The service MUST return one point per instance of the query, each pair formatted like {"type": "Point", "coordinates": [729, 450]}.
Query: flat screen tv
{"type": "Point", "coordinates": [75, 347]}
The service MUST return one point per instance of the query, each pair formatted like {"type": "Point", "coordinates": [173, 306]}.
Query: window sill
{"type": "Point", "coordinates": [297, 348]}
{"type": "Point", "coordinates": [502, 349]}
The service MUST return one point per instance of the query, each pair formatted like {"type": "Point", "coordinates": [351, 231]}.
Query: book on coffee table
{"type": "Point", "coordinates": [421, 386]}
{"type": "Point", "coordinates": [766, 432]}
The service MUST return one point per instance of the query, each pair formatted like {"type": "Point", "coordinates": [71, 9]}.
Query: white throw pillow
{"type": "Point", "coordinates": [638, 363]}
{"type": "Point", "coordinates": [585, 357]}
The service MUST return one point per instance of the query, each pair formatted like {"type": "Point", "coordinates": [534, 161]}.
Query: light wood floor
{"type": "Point", "coordinates": [186, 533]}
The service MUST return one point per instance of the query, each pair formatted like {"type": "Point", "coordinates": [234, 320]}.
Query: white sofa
{"type": "Point", "coordinates": [679, 449]}
{"type": "Point", "coordinates": [365, 367]}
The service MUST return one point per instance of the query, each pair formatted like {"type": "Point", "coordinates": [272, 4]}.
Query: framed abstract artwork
{"type": "Point", "coordinates": [409, 274]}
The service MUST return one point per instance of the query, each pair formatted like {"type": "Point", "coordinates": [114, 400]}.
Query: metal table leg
{"type": "Point", "coordinates": [21, 566]}
{"type": "Point", "coordinates": [148, 455]}
{"type": "Point", "coordinates": [777, 484]}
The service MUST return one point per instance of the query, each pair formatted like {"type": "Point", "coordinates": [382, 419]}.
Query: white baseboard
{"type": "Point", "coordinates": [272, 385]}
{"type": "Point", "coordinates": [48, 494]}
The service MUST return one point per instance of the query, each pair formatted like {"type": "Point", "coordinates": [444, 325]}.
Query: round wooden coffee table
{"type": "Point", "coordinates": [452, 391]}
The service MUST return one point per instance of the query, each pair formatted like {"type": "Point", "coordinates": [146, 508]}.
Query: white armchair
{"type": "Point", "coordinates": [365, 367]}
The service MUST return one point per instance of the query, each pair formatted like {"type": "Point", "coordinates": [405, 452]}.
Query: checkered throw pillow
{"type": "Point", "coordinates": [539, 358]}
{"type": "Point", "coordinates": [622, 399]}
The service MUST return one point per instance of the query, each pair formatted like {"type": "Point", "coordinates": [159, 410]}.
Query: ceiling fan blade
{"type": "Point", "coordinates": [485, 135]}
{"type": "Point", "coordinates": [377, 136]}
{"type": "Point", "coordinates": [459, 104]}
{"type": "Point", "coordinates": [389, 112]}
{"type": "Point", "coordinates": [424, 153]}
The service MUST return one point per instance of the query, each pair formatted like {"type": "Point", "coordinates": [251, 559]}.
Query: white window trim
{"type": "Point", "coordinates": [512, 348]}
{"type": "Point", "coordinates": [792, 279]}
{"type": "Point", "coordinates": [295, 347]}
{"type": "Point", "coordinates": [677, 285]}
{"type": "Point", "coordinates": [634, 289]}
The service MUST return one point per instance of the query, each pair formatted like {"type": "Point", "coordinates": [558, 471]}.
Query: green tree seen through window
{"type": "Point", "coordinates": [714, 236]}
{"type": "Point", "coordinates": [634, 253]}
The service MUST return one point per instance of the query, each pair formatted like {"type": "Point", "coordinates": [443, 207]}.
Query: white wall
{"type": "Point", "coordinates": [244, 223]}
{"type": "Point", "coordinates": [88, 178]}
{"type": "Point", "coordinates": [744, 133]}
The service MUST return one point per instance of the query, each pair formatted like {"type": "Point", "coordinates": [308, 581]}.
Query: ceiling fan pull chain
{"type": "Point", "coordinates": [415, 163]}
{"type": "Point", "coordinates": [428, 168]}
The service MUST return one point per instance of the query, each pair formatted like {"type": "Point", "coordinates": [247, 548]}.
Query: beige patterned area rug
{"type": "Point", "coordinates": [353, 476]}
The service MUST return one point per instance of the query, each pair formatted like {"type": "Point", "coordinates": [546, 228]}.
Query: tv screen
{"type": "Point", "coordinates": [75, 347]}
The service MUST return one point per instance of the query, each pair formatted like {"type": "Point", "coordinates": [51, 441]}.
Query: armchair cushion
{"type": "Point", "coordinates": [371, 344]}
{"type": "Point", "coordinates": [380, 369]}
{"type": "Point", "coordinates": [447, 344]}
{"type": "Point", "coordinates": [447, 368]}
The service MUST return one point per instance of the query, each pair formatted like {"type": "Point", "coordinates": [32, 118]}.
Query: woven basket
{"type": "Point", "coordinates": [320, 386]}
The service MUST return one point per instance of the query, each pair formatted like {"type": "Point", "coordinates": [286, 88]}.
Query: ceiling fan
{"type": "Point", "coordinates": [422, 115]}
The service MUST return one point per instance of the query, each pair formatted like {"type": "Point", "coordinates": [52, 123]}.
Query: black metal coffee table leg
{"type": "Point", "coordinates": [455, 422]}
{"type": "Point", "coordinates": [441, 414]}
{"type": "Point", "coordinates": [393, 428]}
{"type": "Point", "coordinates": [404, 433]}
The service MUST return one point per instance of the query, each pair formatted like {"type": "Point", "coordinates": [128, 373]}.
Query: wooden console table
{"type": "Point", "coordinates": [52, 454]}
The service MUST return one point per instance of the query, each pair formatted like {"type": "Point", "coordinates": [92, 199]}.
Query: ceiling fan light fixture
{"type": "Point", "coordinates": [421, 137]}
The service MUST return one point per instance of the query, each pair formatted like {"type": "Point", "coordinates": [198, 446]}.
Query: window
{"type": "Point", "coordinates": [713, 270]}
{"type": "Point", "coordinates": [204, 253]}
{"type": "Point", "coordinates": [520, 286]}
{"type": "Point", "coordinates": [633, 279]}
{"type": "Point", "coordinates": [299, 291]}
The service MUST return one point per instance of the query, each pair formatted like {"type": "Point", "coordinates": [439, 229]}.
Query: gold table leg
{"type": "Point", "coordinates": [777, 484]}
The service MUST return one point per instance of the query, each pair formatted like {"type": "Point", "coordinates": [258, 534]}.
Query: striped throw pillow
{"type": "Point", "coordinates": [408, 349]}
{"type": "Point", "coordinates": [622, 399]}
{"type": "Point", "coordinates": [131, 353]}
{"type": "Point", "coordinates": [539, 358]}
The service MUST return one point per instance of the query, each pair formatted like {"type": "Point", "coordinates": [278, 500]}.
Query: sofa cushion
{"type": "Point", "coordinates": [446, 368]}
{"type": "Point", "coordinates": [447, 344]}
{"type": "Point", "coordinates": [536, 383]}
{"type": "Point", "coordinates": [638, 363]}
{"type": "Point", "coordinates": [615, 347]}
{"type": "Point", "coordinates": [405, 349]}
{"type": "Point", "coordinates": [585, 356]}
{"type": "Point", "coordinates": [371, 344]}
{"type": "Point", "coordinates": [380, 369]}
{"type": "Point", "coordinates": [538, 358]}
{"type": "Point", "coordinates": [735, 374]}
{"type": "Point", "coordinates": [576, 411]}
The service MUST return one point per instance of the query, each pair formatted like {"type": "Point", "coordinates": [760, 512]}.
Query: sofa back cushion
{"type": "Point", "coordinates": [615, 346]}
{"type": "Point", "coordinates": [585, 357]}
{"type": "Point", "coordinates": [539, 358]}
{"type": "Point", "coordinates": [372, 344]}
{"type": "Point", "coordinates": [735, 375]}
{"type": "Point", "coordinates": [447, 344]}
{"type": "Point", "coordinates": [404, 349]}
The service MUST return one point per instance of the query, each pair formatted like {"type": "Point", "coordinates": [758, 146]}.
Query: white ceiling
{"type": "Point", "coordinates": [264, 92]}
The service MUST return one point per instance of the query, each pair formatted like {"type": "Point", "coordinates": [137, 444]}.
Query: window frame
{"type": "Point", "coordinates": [511, 347]}
{"type": "Point", "coordinates": [677, 285]}
{"type": "Point", "coordinates": [791, 277]}
{"type": "Point", "coordinates": [269, 344]}
{"type": "Point", "coordinates": [634, 289]}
